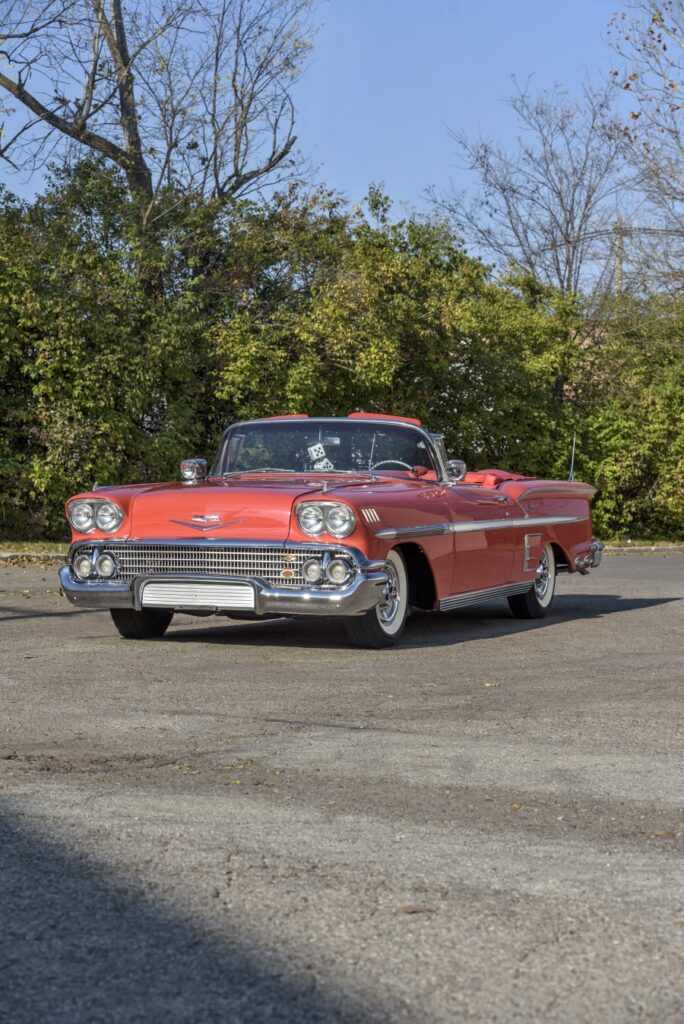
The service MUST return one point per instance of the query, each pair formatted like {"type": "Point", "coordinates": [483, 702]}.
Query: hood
{"type": "Point", "coordinates": [217, 510]}
{"type": "Point", "coordinates": [244, 508]}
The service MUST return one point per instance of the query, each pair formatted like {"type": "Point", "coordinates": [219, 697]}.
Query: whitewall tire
{"type": "Point", "coordinates": [535, 603]}
{"type": "Point", "coordinates": [383, 625]}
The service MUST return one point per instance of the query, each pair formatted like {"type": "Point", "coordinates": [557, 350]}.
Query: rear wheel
{"type": "Point", "coordinates": [535, 603]}
{"type": "Point", "coordinates": [383, 625]}
{"type": "Point", "coordinates": [142, 625]}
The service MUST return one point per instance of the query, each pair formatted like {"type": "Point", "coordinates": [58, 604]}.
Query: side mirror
{"type": "Point", "coordinates": [457, 469]}
{"type": "Point", "coordinates": [192, 470]}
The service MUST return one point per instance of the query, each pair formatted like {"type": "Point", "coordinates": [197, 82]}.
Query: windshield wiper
{"type": "Point", "coordinates": [260, 469]}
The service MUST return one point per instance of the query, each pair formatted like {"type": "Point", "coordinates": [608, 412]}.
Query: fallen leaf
{"type": "Point", "coordinates": [515, 807]}
{"type": "Point", "coordinates": [414, 908]}
{"type": "Point", "coordinates": [489, 683]}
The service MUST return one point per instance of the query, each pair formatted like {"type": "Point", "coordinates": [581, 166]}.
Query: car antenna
{"type": "Point", "coordinates": [572, 458]}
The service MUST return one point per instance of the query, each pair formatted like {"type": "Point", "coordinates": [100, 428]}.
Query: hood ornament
{"type": "Point", "coordinates": [207, 522]}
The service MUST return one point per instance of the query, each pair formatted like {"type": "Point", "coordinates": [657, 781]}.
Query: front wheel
{"type": "Point", "coordinates": [143, 625]}
{"type": "Point", "coordinates": [383, 625]}
{"type": "Point", "coordinates": [535, 603]}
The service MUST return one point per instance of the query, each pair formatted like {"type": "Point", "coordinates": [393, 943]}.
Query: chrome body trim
{"type": "Point", "coordinates": [530, 541]}
{"type": "Point", "coordinates": [365, 591]}
{"type": "Point", "coordinates": [406, 532]}
{"type": "Point", "coordinates": [473, 526]}
{"type": "Point", "coordinates": [447, 604]}
{"type": "Point", "coordinates": [558, 488]}
{"type": "Point", "coordinates": [370, 515]}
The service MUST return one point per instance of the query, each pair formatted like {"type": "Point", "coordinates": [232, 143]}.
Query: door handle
{"type": "Point", "coordinates": [501, 497]}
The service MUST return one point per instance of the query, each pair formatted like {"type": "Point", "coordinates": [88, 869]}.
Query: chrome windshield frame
{"type": "Point", "coordinates": [434, 442]}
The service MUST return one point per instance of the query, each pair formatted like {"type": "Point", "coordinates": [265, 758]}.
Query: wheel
{"type": "Point", "coordinates": [143, 625]}
{"type": "Point", "coordinates": [535, 603]}
{"type": "Point", "coordinates": [382, 626]}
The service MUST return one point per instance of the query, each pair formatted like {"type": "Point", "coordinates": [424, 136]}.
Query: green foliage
{"type": "Point", "coordinates": [634, 420]}
{"type": "Point", "coordinates": [104, 376]}
{"type": "Point", "coordinates": [122, 353]}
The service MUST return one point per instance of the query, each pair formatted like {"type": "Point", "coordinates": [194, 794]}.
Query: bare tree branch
{"type": "Point", "coordinates": [193, 95]}
{"type": "Point", "coordinates": [649, 37]}
{"type": "Point", "coordinates": [549, 206]}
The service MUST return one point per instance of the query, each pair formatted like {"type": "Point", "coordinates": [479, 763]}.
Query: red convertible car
{"type": "Point", "coordinates": [361, 517]}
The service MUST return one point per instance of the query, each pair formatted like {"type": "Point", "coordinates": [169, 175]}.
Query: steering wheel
{"type": "Point", "coordinates": [404, 465]}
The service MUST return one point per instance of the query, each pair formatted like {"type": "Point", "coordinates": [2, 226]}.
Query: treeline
{"type": "Point", "coordinates": [123, 351]}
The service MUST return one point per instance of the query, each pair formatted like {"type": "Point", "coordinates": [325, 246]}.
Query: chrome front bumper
{"type": "Point", "coordinates": [362, 594]}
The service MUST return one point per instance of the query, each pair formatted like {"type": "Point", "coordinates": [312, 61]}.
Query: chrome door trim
{"type": "Point", "coordinates": [473, 526]}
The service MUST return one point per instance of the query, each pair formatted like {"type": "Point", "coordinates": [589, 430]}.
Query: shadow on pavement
{"type": "Point", "coordinates": [78, 946]}
{"type": "Point", "coordinates": [479, 622]}
{"type": "Point", "coordinates": [18, 613]}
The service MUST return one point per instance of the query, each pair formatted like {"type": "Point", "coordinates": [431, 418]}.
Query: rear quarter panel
{"type": "Point", "coordinates": [566, 505]}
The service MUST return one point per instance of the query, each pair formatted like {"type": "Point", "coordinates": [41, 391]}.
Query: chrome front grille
{"type": "Point", "coordinates": [267, 562]}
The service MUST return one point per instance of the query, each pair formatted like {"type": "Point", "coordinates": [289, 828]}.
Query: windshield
{"type": "Point", "coordinates": [324, 446]}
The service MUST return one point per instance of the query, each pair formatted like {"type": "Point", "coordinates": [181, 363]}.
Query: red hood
{"type": "Point", "coordinates": [246, 510]}
{"type": "Point", "coordinates": [240, 508]}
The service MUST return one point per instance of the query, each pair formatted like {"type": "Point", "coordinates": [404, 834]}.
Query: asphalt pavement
{"type": "Point", "coordinates": [251, 822]}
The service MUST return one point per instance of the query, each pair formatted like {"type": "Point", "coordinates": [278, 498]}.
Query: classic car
{"type": "Point", "coordinates": [362, 517]}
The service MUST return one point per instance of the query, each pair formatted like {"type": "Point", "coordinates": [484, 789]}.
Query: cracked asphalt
{"type": "Point", "coordinates": [250, 822]}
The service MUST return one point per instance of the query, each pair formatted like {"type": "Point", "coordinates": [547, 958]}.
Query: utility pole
{"type": "Point", "coordinates": [619, 254]}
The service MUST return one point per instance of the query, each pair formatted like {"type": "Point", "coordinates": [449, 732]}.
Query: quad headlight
{"type": "Point", "coordinates": [108, 517]}
{"type": "Point", "coordinates": [86, 516]}
{"type": "Point", "coordinates": [82, 516]}
{"type": "Point", "coordinates": [317, 517]}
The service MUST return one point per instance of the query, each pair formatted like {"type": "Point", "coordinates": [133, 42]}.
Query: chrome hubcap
{"type": "Point", "coordinates": [542, 579]}
{"type": "Point", "coordinates": [389, 606]}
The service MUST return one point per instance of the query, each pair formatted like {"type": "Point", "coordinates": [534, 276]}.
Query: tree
{"type": "Point", "coordinates": [348, 310]}
{"type": "Point", "coordinates": [101, 379]}
{"type": "Point", "coordinates": [549, 207]}
{"type": "Point", "coordinates": [192, 96]}
{"type": "Point", "coordinates": [631, 431]}
{"type": "Point", "coordinates": [649, 36]}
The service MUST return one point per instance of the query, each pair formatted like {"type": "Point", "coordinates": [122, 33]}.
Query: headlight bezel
{"type": "Point", "coordinates": [88, 525]}
{"type": "Point", "coordinates": [95, 505]}
{"type": "Point", "coordinates": [327, 510]}
{"type": "Point", "coordinates": [117, 520]}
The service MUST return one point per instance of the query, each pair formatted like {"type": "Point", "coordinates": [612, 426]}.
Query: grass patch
{"type": "Point", "coordinates": [34, 547]}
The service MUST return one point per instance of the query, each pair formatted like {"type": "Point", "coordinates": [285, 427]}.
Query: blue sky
{"type": "Point", "coordinates": [388, 76]}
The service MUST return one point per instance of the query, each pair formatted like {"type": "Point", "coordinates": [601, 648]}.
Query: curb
{"type": "Point", "coordinates": [645, 549]}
